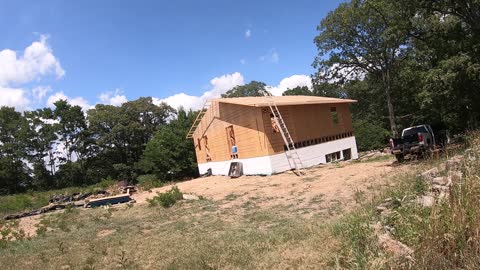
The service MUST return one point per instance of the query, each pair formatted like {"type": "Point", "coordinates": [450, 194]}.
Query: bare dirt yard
{"type": "Point", "coordinates": [252, 222]}
{"type": "Point", "coordinates": [342, 184]}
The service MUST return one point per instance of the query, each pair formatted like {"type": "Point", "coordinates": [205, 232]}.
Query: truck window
{"type": "Point", "coordinates": [415, 130]}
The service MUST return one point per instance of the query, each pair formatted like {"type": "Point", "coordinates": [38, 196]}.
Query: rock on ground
{"type": "Point", "coordinates": [426, 201]}
{"type": "Point", "coordinates": [397, 248]}
{"type": "Point", "coordinates": [430, 174]}
{"type": "Point", "coordinates": [190, 197]}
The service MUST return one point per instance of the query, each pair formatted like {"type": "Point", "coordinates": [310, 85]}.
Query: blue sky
{"type": "Point", "coordinates": [110, 49]}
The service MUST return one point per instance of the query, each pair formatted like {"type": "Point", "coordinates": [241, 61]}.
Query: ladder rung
{"type": "Point", "coordinates": [291, 152]}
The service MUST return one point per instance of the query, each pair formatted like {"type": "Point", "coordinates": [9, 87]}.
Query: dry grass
{"type": "Point", "coordinates": [265, 223]}
{"type": "Point", "coordinates": [451, 238]}
{"type": "Point", "coordinates": [173, 238]}
{"type": "Point", "coordinates": [248, 228]}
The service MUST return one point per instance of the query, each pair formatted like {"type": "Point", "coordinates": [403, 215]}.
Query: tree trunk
{"type": "Point", "coordinates": [391, 113]}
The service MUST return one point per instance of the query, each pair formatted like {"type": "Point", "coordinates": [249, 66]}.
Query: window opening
{"type": "Point", "coordinates": [275, 127]}
{"type": "Point", "coordinates": [232, 142]}
{"type": "Point", "coordinates": [334, 114]}
{"type": "Point", "coordinates": [207, 149]}
{"type": "Point", "coordinates": [347, 154]}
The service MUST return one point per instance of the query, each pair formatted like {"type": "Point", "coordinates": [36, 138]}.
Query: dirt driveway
{"type": "Point", "coordinates": [343, 183]}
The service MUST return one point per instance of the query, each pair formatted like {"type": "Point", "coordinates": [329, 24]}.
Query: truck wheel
{"type": "Point", "coordinates": [400, 157]}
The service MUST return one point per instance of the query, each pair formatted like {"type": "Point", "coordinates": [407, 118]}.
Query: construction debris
{"type": "Point", "coordinates": [61, 198]}
{"type": "Point", "coordinates": [123, 198]}
{"type": "Point", "coordinates": [62, 201]}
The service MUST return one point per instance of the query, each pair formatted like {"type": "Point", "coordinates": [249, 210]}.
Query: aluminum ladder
{"type": "Point", "coordinates": [292, 156]}
{"type": "Point", "coordinates": [198, 119]}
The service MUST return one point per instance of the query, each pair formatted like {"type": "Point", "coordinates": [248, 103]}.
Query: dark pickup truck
{"type": "Point", "coordinates": [416, 141]}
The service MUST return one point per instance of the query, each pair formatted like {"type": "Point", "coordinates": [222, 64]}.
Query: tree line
{"type": "Point", "coordinates": [62, 146]}
{"type": "Point", "coordinates": [406, 62]}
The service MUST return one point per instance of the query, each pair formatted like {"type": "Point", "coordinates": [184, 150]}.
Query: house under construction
{"type": "Point", "coordinates": [269, 134]}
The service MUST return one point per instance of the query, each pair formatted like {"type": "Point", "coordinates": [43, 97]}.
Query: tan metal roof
{"type": "Point", "coordinates": [283, 100]}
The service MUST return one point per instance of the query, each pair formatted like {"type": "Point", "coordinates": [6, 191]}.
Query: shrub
{"type": "Point", "coordinates": [106, 183]}
{"type": "Point", "coordinates": [149, 181]}
{"type": "Point", "coordinates": [370, 135]}
{"type": "Point", "coordinates": [168, 198]}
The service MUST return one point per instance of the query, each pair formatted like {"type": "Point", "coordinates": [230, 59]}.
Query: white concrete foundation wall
{"type": "Point", "coordinates": [315, 154]}
{"type": "Point", "coordinates": [267, 165]}
{"type": "Point", "coordinates": [251, 166]}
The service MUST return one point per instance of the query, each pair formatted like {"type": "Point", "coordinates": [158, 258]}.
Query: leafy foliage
{"type": "Point", "coordinates": [148, 181]}
{"type": "Point", "coordinates": [298, 91]}
{"type": "Point", "coordinates": [370, 135]}
{"type": "Point", "coordinates": [251, 89]}
{"type": "Point", "coordinates": [168, 198]}
{"type": "Point", "coordinates": [170, 155]}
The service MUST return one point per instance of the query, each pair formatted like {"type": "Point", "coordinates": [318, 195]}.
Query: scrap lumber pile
{"type": "Point", "coordinates": [88, 199]}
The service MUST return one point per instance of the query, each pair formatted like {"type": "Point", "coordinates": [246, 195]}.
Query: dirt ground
{"type": "Point", "coordinates": [337, 187]}
{"type": "Point", "coordinates": [342, 183]}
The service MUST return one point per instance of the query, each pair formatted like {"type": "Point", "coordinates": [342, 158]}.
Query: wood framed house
{"type": "Point", "coordinates": [244, 130]}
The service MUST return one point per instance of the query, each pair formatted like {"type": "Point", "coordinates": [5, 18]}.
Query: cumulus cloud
{"type": "Point", "coordinates": [40, 92]}
{"type": "Point", "coordinates": [271, 56]}
{"type": "Point", "coordinates": [14, 97]}
{"type": "Point", "coordinates": [115, 98]}
{"type": "Point", "coordinates": [248, 33]}
{"type": "Point", "coordinates": [77, 101]}
{"type": "Point", "coordinates": [226, 82]}
{"type": "Point", "coordinates": [290, 82]}
{"type": "Point", "coordinates": [36, 61]}
{"type": "Point", "coordinates": [219, 85]}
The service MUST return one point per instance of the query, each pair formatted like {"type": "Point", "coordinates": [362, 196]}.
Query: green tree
{"type": "Point", "coordinates": [169, 154]}
{"type": "Point", "coordinates": [298, 91]}
{"type": "Point", "coordinates": [370, 135]}
{"type": "Point", "coordinates": [121, 133]}
{"type": "Point", "coordinates": [447, 39]}
{"type": "Point", "coordinates": [364, 37]}
{"type": "Point", "coordinates": [71, 124]}
{"type": "Point", "coordinates": [41, 147]}
{"type": "Point", "coordinates": [325, 89]}
{"type": "Point", "coordinates": [14, 174]}
{"type": "Point", "coordinates": [251, 89]}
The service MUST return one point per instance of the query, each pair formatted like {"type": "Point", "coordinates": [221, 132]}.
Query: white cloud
{"type": "Point", "coordinates": [219, 85]}
{"type": "Point", "coordinates": [14, 97]}
{"type": "Point", "coordinates": [40, 92]}
{"type": "Point", "coordinates": [248, 33]}
{"type": "Point", "coordinates": [115, 98]}
{"type": "Point", "coordinates": [243, 61]}
{"type": "Point", "coordinates": [271, 56]}
{"type": "Point", "coordinates": [226, 82]}
{"type": "Point", "coordinates": [78, 101]}
{"type": "Point", "coordinates": [36, 61]}
{"type": "Point", "coordinates": [291, 82]}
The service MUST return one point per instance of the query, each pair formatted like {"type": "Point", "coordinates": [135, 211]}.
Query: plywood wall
{"type": "Point", "coordinates": [308, 122]}
{"type": "Point", "coordinates": [248, 127]}
{"type": "Point", "coordinates": [253, 129]}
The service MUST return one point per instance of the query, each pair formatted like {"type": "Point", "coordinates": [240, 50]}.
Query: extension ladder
{"type": "Point", "coordinates": [291, 152]}
{"type": "Point", "coordinates": [198, 119]}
